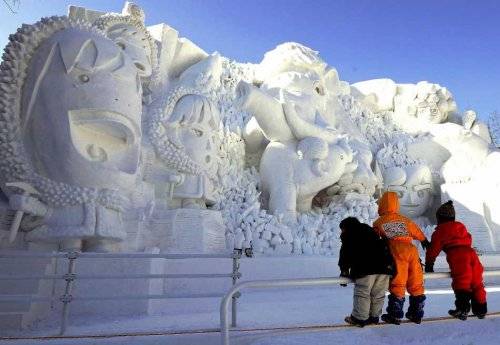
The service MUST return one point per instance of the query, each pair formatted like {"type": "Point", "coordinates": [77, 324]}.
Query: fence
{"type": "Point", "coordinates": [286, 283]}
{"type": "Point", "coordinates": [71, 276]}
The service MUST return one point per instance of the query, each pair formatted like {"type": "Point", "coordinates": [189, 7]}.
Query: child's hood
{"type": "Point", "coordinates": [388, 203]}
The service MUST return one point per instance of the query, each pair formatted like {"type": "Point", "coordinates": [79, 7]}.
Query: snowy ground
{"type": "Point", "coordinates": [455, 332]}
{"type": "Point", "coordinates": [281, 308]}
{"type": "Point", "coordinates": [295, 307]}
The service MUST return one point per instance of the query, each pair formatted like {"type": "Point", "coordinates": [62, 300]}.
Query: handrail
{"type": "Point", "coordinates": [117, 276]}
{"type": "Point", "coordinates": [20, 254]}
{"type": "Point", "coordinates": [71, 276]}
{"type": "Point", "coordinates": [284, 283]}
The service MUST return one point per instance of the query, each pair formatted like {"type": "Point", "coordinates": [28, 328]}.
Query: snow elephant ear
{"type": "Point", "coordinates": [331, 80]}
{"type": "Point", "coordinates": [333, 84]}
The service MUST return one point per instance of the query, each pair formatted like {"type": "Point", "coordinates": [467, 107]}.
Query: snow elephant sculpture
{"type": "Point", "coordinates": [293, 174]}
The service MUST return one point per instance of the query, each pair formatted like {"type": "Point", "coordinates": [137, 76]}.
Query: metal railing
{"type": "Point", "coordinates": [71, 276]}
{"type": "Point", "coordinates": [287, 283]}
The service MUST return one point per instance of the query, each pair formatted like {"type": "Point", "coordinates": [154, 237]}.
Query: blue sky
{"type": "Point", "coordinates": [455, 43]}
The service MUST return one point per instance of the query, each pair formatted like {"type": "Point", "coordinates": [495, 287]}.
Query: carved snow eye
{"type": "Point", "coordinates": [139, 66]}
{"type": "Point", "coordinates": [84, 78]}
{"type": "Point", "coordinates": [341, 157]}
{"type": "Point", "coordinates": [197, 132]}
{"type": "Point", "coordinates": [121, 45]}
{"type": "Point", "coordinates": [318, 88]}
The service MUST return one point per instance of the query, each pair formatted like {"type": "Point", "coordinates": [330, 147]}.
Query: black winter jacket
{"type": "Point", "coordinates": [363, 251]}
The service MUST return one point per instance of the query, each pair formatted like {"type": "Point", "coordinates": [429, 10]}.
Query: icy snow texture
{"type": "Point", "coordinates": [248, 224]}
{"type": "Point", "coordinates": [494, 127]}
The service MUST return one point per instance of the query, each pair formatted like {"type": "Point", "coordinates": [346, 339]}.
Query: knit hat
{"type": "Point", "coordinates": [349, 223]}
{"type": "Point", "coordinates": [445, 212]}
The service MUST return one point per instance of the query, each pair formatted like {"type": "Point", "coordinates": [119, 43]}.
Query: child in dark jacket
{"type": "Point", "coordinates": [366, 259]}
{"type": "Point", "coordinates": [466, 269]}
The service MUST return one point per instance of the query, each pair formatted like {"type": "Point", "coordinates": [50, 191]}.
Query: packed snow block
{"type": "Point", "coordinates": [84, 14]}
{"type": "Point", "coordinates": [469, 208]}
{"type": "Point", "coordinates": [404, 99]}
{"type": "Point", "coordinates": [16, 315]}
{"type": "Point", "coordinates": [111, 287]}
{"type": "Point", "coordinates": [377, 93]}
{"type": "Point", "coordinates": [189, 231]}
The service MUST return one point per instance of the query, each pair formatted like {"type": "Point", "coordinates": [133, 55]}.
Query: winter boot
{"type": "Point", "coordinates": [462, 304]}
{"type": "Point", "coordinates": [415, 311]}
{"type": "Point", "coordinates": [479, 309]}
{"type": "Point", "coordinates": [372, 320]}
{"type": "Point", "coordinates": [394, 310]}
{"type": "Point", "coordinates": [354, 321]}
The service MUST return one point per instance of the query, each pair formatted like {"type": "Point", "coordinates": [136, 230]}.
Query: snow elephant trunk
{"type": "Point", "coordinates": [267, 110]}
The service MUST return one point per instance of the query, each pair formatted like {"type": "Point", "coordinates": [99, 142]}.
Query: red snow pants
{"type": "Point", "coordinates": [466, 272]}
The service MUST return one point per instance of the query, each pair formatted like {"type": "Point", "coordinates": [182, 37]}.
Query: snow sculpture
{"type": "Point", "coordinates": [428, 102]}
{"type": "Point", "coordinates": [290, 160]}
{"type": "Point", "coordinates": [188, 144]}
{"type": "Point", "coordinates": [414, 187]}
{"type": "Point", "coordinates": [415, 106]}
{"type": "Point", "coordinates": [377, 94]}
{"type": "Point", "coordinates": [71, 128]}
{"type": "Point", "coordinates": [456, 152]}
{"type": "Point", "coordinates": [470, 122]}
{"type": "Point", "coordinates": [295, 109]}
{"type": "Point", "coordinates": [184, 132]}
{"type": "Point", "coordinates": [292, 175]}
{"type": "Point", "coordinates": [209, 122]}
{"type": "Point", "coordinates": [129, 33]}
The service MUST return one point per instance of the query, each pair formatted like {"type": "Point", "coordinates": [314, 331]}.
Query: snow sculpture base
{"type": "Point", "coordinates": [189, 231]}
{"type": "Point", "coordinates": [470, 209]}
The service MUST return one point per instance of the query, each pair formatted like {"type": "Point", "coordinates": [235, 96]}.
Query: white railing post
{"type": "Point", "coordinates": [236, 276]}
{"type": "Point", "coordinates": [66, 298]}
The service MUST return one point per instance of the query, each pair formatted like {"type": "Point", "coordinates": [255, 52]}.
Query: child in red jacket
{"type": "Point", "coordinates": [466, 269]}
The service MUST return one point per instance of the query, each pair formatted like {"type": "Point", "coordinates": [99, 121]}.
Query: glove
{"type": "Point", "coordinates": [344, 274]}
{"type": "Point", "coordinates": [429, 267]}
{"type": "Point", "coordinates": [425, 244]}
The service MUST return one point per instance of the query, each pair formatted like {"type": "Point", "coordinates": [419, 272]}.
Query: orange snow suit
{"type": "Point", "coordinates": [401, 231]}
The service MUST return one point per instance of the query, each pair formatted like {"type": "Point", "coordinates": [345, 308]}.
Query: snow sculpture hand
{"type": "Point", "coordinates": [28, 204]}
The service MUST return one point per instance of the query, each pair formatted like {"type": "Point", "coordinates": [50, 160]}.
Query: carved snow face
{"type": "Point", "coordinates": [433, 103]}
{"type": "Point", "coordinates": [82, 111]}
{"type": "Point", "coordinates": [193, 126]}
{"type": "Point", "coordinates": [413, 185]}
{"type": "Point", "coordinates": [430, 112]}
{"type": "Point", "coordinates": [135, 44]}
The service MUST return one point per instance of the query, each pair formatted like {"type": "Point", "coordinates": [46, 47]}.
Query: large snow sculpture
{"type": "Point", "coordinates": [80, 147]}
{"type": "Point", "coordinates": [295, 109]}
{"type": "Point", "coordinates": [71, 129]}
{"type": "Point", "coordinates": [184, 132]}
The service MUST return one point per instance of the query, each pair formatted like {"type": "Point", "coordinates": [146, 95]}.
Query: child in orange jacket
{"type": "Point", "coordinates": [466, 270]}
{"type": "Point", "coordinates": [400, 232]}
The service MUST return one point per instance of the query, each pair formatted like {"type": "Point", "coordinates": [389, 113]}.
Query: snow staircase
{"type": "Point", "coordinates": [16, 315]}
